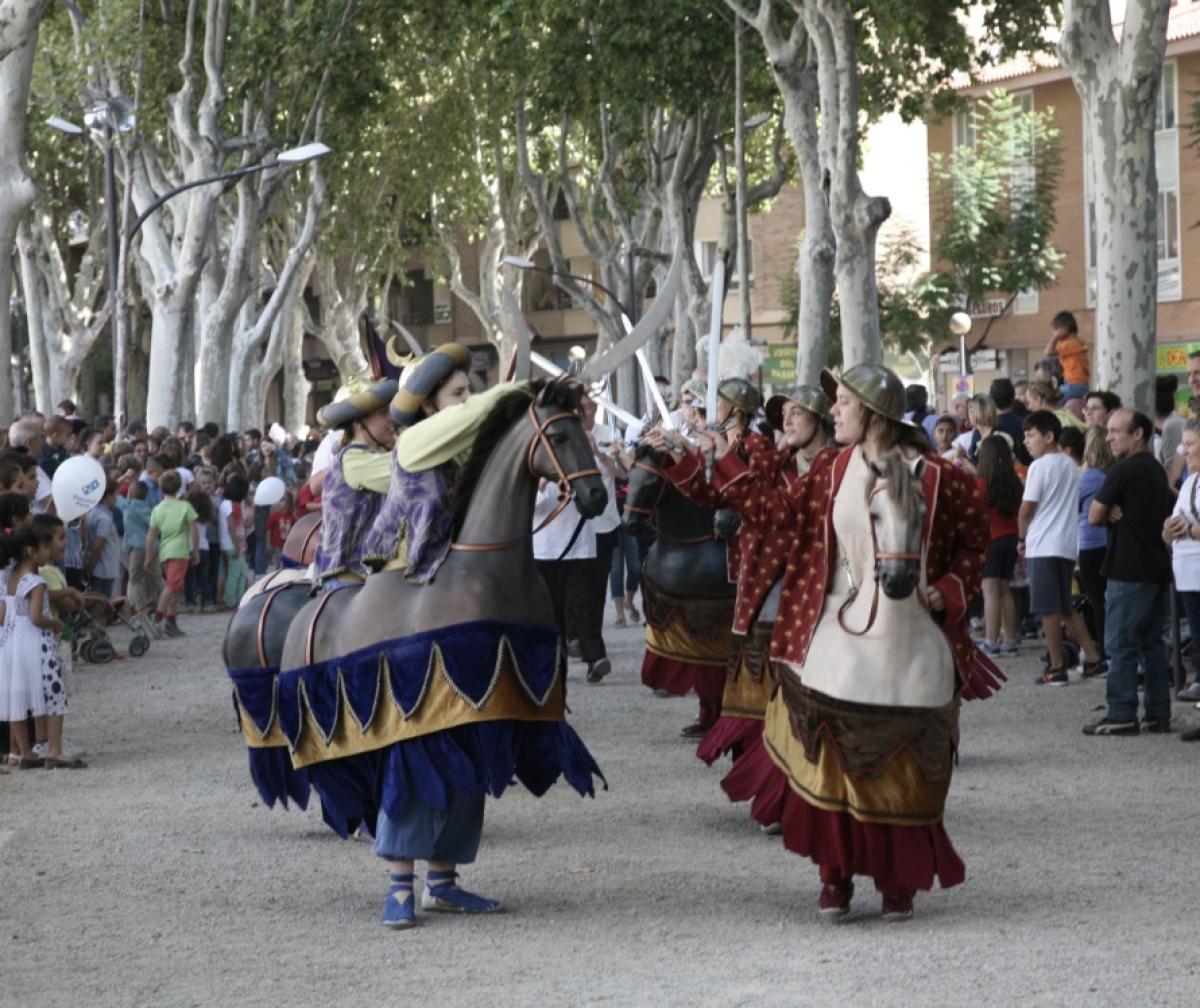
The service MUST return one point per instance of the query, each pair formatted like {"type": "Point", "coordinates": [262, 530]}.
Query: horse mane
{"type": "Point", "coordinates": [560, 393]}
{"type": "Point", "coordinates": [903, 487]}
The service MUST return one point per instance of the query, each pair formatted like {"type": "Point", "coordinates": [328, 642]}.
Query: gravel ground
{"type": "Point", "coordinates": [155, 876]}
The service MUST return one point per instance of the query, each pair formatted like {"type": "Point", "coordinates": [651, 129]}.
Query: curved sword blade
{"type": "Point", "coordinates": [664, 303]}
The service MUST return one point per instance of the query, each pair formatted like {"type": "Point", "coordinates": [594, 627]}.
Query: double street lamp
{"type": "Point", "coordinates": [105, 120]}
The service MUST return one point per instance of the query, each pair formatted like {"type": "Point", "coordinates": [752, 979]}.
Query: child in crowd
{"type": "Point", "coordinates": [173, 542]}
{"type": "Point", "coordinates": [1001, 490]}
{"type": "Point", "coordinates": [129, 469]}
{"type": "Point", "coordinates": [143, 582]}
{"type": "Point", "coordinates": [233, 540]}
{"type": "Point", "coordinates": [206, 481]}
{"type": "Point", "coordinates": [18, 473]}
{"type": "Point", "coordinates": [945, 430]}
{"type": "Point", "coordinates": [1049, 538]}
{"type": "Point", "coordinates": [195, 593]}
{"type": "Point", "coordinates": [1072, 354]}
{"type": "Point", "coordinates": [279, 524]}
{"type": "Point", "coordinates": [63, 600]}
{"type": "Point", "coordinates": [102, 544]}
{"type": "Point", "coordinates": [29, 668]}
{"type": "Point", "coordinates": [14, 510]}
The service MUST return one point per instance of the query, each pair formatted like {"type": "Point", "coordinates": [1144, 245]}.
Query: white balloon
{"type": "Point", "coordinates": [77, 487]}
{"type": "Point", "coordinates": [270, 491]}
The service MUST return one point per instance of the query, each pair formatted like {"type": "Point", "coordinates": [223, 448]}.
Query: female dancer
{"type": "Point", "coordinates": [858, 742]}
{"type": "Point", "coordinates": [801, 416]}
{"type": "Point", "coordinates": [349, 507]}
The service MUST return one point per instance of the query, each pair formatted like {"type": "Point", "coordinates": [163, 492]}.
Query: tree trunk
{"type": "Point", "coordinates": [855, 216]}
{"type": "Point", "coordinates": [296, 387]}
{"type": "Point", "coordinates": [1118, 85]}
{"type": "Point", "coordinates": [794, 68]}
{"type": "Point", "coordinates": [17, 191]}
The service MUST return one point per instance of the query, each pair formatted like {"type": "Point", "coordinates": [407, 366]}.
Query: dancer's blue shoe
{"type": "Point", "coordinates": [400, 911]}
{"type": "Point", "coordinates": [443, 894]}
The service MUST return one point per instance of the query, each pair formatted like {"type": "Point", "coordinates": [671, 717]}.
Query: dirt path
{"type": "Point", "coordinates": [154, 877]}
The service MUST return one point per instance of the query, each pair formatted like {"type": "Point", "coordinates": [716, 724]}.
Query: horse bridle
{"type": "Point", "coordinates": [649, 512]}
{"type": "Point", "coordinates": [563, 481]}
{"type": "Point", "coordinates": [880, 555]}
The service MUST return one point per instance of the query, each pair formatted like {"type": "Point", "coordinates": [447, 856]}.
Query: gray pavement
{"type": "Point", "coordinates": [155, 878]}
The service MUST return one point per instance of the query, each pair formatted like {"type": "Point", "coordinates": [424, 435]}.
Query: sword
{"type": "Point", "coordinates": [652, 389]}
{"type": "Point", "coordinates": [716, 291]}
{"type": "Point", "coordinates": [555, 371]}
{"type": "Point", "coordinates": [619, 353]}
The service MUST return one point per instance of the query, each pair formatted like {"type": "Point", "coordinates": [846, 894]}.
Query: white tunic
{"type": "Point", "coordinates": [904, 660]}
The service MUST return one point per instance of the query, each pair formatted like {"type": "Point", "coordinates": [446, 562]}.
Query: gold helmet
{"type": "Point", "coordinates": [740, 394]}
{"type": "Point", "coordinates": [808, 397]}
{"type": "Point", "coordinates": [876, 387]}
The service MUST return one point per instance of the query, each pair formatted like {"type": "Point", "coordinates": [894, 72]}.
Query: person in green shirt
{"type": "Point", "coordinates": [173, 538]}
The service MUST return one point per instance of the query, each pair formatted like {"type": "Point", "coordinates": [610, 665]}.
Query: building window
{"type": "Point", "coordinates": [1166, 149]}
{"type": "Point", "coordinates": [1023, 185]}
{"type": "Point", "coordinates": [964, 128]}
{"type": "Point", "coordinates": [706, 255]}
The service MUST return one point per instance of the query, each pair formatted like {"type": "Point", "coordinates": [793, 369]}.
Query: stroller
{"type": "Point", "coordinates": [91, 641]}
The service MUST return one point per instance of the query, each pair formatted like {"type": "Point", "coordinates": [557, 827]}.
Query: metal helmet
{"type": "Point", "coordinates": [876, 387]}
{"type": "Point", "coordinates": [808, 397]}
{"type": "Point", "coordinates": [697, 388]}
{"type": "Point", "coordinates": [740, 394]}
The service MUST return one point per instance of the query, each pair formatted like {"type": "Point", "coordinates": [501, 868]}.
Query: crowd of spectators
{"type": "Point", "coordinates": [1093, 515]}
{"type": "Point", "coordinates": [210, 537]}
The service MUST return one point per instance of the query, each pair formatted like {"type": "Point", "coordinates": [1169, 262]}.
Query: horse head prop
{"type": "Point", "coordinates": [524, 441]}
{"type": "Point", "coordinates": [647, 484]}
{"type": "Point", "coordinates": [897, 508]}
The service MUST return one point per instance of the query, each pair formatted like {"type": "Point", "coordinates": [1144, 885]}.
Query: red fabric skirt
{"type": "Point", "coordinates": [728, 733]}
{"type": "Point", "coordinates": [681, 677]}
{"type": "Point", "coordinates": [898, 858]}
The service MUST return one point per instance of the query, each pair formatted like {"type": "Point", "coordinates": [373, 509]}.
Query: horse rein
{"type": "Point", "coordinates": [880, 555]}
{"type": "Point", "coordinates": [649, 512]}
{"type": "Point", "coordinates": [563, 481]}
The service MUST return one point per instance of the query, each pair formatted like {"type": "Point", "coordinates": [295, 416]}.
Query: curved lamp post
{"type": "Point", "coordinates": [104, 120]}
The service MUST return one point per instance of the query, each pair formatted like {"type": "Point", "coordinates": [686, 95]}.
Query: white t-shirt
{"type": "Point", "coordinates": [549, 543]}
{"type": "Point", "coordinates": [44, 494]}
{"type": "Point", "coordinates": [1185, 553]}
{"type": "Point", "coordinates": [223, 525]}
{"type": "Point", "coordinates": [609, 519]}
{"type": "Point", "coordinates": [1053, 484]}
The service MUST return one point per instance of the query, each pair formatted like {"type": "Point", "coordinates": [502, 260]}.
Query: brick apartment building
{"type": "Point", "coordinates": [1018, 339]}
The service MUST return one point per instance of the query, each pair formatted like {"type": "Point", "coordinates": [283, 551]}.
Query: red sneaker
{"type": "Point", "coordinates": [897, 907]}
{"type": "Point", "coordinates": [834, 903]}
{"type": "Point", "coordinates": [697, 729]}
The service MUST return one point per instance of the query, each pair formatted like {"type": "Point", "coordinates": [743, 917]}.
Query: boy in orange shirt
{"type": "Point", "coordinates": [1072, 354]}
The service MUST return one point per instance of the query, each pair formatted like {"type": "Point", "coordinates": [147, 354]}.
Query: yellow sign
{"type": "Point", "coordinates": [1173, 356]}
{"type": "Point", "coordinates": [779, 364]}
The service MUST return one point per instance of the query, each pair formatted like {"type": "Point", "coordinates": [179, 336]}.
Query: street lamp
{"type": "Point", "coordinates": [105, 119]}
{"type": "Point", "coordinates": [291, 158]}
{"type": "Point", "coordinates": [115, 115]}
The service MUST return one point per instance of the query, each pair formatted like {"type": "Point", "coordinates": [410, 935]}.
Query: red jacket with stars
{"type": "Point", "coordinates": [954, 537]}
{"type": "Point", "coordinates": [761, 551]}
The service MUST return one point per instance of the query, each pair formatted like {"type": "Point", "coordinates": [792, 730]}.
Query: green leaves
{"type": "Point", "coordinates": [993, 203]}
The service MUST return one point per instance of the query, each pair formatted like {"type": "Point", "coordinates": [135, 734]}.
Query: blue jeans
{"type": "Point", "coordinates": [626, 572]}
{"type": "Point", "coordinates": [1190, 601]}
{"type": "Point", "coordinates": [1133, 625]}
{"type": "Point", "coordinates": [425, 833]}
{"type": "Point", "coordinates": [1072, 390]}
